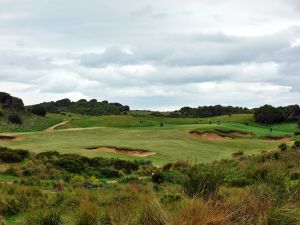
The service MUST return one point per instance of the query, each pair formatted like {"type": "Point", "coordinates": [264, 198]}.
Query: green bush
{"type": "Point", "coordinates": [203, 181]}
{"type": "Point", "coordinates": [295, 176]}
{"type": "Point", "coordinates": [171, 197]}
{"type": "Point", "coordinates": [10, 157]}
{"type": "Point", "coordinates": [129, 180]}
{"type": "Point", "coordinates": [72, 165]}
{"type": "Point", "coordinates": [283, 146]}
{"type": "Point", "coordinates": [49, 216]}
{"type": "Point", "coordinates": [297, 133]}
{"type": "Point", "coordinates": [48, 155]}
{"type": "Point", "coordinates": [15, 118]}
{"type": "Point", "coordinates": [240, 182]}
{"type": "Point", "coordinates": [296, 144]}
{"type": "Point", "coordinates": [108, 173]}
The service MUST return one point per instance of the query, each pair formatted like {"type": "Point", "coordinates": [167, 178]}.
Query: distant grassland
{"type": "Point", "coordinates": [146, 120]}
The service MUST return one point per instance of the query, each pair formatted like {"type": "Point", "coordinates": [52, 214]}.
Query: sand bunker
{"type": "Point", "coordinates": [210, 135]}
{"type": "Point", "coordinates": [236, 133]}
{"type": "Point", "coordinates": [130, 152]}
{"type": "Point", "coordinates": [278, 138]}
{"type": "Point", "coordinates": [240, 134]}
{"type": "Point", "coordinates": [10, 138]}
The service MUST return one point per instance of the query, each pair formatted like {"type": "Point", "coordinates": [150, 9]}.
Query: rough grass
{"type": "Point", "coordinates": [30, 123]}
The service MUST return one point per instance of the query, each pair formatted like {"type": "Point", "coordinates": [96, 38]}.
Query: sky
{"type": "Point", "coordinates": [151, 54]}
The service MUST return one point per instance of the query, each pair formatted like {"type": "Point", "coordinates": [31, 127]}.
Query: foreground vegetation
{"type": "Point", "coordinates": [53, 189]}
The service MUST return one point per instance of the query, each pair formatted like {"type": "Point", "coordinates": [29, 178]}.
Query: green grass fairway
{"type": "Point", "coordinates": [79, 121]}
{"type": "Point", "coordinates": [170, 143]}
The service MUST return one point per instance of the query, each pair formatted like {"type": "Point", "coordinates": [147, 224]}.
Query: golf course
{"type": "Point", "coordinates": [198, 140]}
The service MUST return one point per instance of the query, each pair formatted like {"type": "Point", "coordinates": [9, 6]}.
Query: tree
{"type": "Point", "coordinates": [268, 114]}
{"type": "Point", "coordinates": [38, 110]}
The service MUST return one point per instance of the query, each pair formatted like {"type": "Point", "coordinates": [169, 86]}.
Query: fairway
{"type": "Point", "coordinates": [169, 143]}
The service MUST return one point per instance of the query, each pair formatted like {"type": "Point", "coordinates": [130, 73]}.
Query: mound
{"type": "Point", "coordinates": [278, 138]}
{"type": "Point", "coordinates": [130, 152]}
{"type": "Point", "coordinates": [10, 138]}
{"type": "Point", "coordinates": [210, 135]}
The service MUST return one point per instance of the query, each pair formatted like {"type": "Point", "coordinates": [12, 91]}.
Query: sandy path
{"type": "Point", "coordinates": [50, 129]}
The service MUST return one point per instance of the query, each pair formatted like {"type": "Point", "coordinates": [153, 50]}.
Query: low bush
{"type": "Point", "coordinates": [203, 181]}
{"type": "Point", "coordinates": [10, 157]}
{"type": "Point", "coordinates": [240, 182]}
{"type": "Point", "coordinates": [296, 144]}
{"type": "Point", "coordinates": [48, 155]}
{"type": "Point", "coordinates": [295, 176]}
{"type": "Point", "coordinates": [108, 173]}
{"type": "Point", "coordinates": [15, 118]}
{"type": "Point", "coordinates": [171, 197]}
{"type": "Point", "coordinates": [50, 216]}
{"type": "Point", "coordinates": [297, 133]}
{"type": "Point", "coordinates": [72, 165]}
{"type": "Point", "coordinates": [283, 146]}
{"type": "Point", "coordinates": [129, 180]}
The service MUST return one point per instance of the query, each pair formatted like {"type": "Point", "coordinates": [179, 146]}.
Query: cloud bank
{"type": "Point", "coordinates": [152, 55]}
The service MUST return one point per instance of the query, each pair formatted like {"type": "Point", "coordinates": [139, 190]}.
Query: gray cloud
{"type": "Point", "coordinates": [152, 55]}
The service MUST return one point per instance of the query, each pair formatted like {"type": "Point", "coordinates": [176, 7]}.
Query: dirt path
{"type": "Point", "coordinates": [51, 129]}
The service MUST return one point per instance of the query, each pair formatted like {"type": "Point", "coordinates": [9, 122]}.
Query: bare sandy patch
{"type": "Point", "coordinates": [130, 152]}
{"type": "Point", "coordinates": [210, 135]}
{"type": "Point", "coordinates": [11, 138]}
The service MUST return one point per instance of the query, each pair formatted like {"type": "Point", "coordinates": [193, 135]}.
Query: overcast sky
{"type": "Point", "coordinates": [152, 54]}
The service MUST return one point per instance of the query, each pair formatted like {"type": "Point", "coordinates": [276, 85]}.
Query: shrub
{"type": "Point", "coordinates": [38, 110]}
{"type": "Point", "coordinates": [296, 144]}
{"type": "Point", "coordinates": [129, 180]}
{"type": "Point", "coordinates": [171, 197]}
{"type": "Point", "coordinates": [10, 157]}
{"type": "Point", "coordinates": [283, 146]}
{"type": "Point", "coordinates": [240, 182]}
{"type": "Point", "coordinates": [203, 181]}
{"type": "Point", "coordinates": [158, 178]}
{"type": "Point", "coordinates": [49, 216]}
{"type": "Point", "coordinates": [238, 154]}
{"type": "Point", "coordinates": [295, 176]}
{"type": "Point", "coordinates": [108, 173]}
{"type": "Point", "coordinates": [72, 165]}
{"type": "Point", "coordinates": [297, 133]}
{"type": "Point", "coordinates": [15, 118]}
{"type": "Point", "coordinates": [48, 155]}
{"type": "Point", "coordinates": [282, 217]}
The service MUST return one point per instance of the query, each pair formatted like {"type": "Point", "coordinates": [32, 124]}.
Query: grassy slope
{"type": "Point", "coordinates": [30, 122]}
{"type": "Point", "coordinates": [146, 120]}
